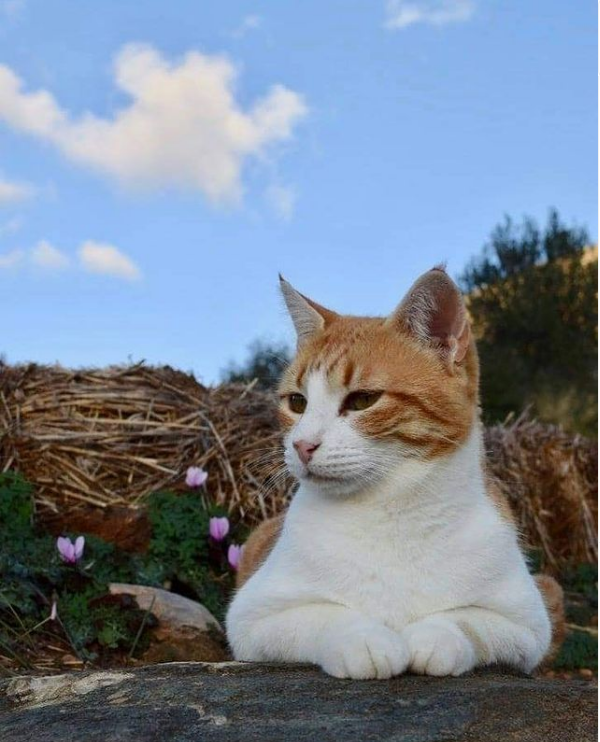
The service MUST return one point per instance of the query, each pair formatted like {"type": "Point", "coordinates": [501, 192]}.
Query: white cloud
{"type": "Point", "coordinates": [94, 257]}
{"type": "Point", "coordinates": [182, 128]}
{"type": "Point", "coordinates": [11, 259]}
{"type": "Point", "coordinates": [404, 13]}
{"type": "Point", "coordinates": [45, 255]}
{"type": "Point", "coordinates": [11, 192]}
{"type": "Point", "coordinates": [248, 23]}
{"type": "Point", "coordinates": [282, 200]}
{"type": "Point", "coordinates": [98, 257]}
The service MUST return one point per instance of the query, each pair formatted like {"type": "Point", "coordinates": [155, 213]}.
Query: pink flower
{"type": "Point", "coordinates": [218, 528]}
{"type": "Point", "coordinates": [53, 611]}
{"type": "Point", "coordinates": [69, 552]}
{"type": "Point", "coordinates": [234, 554]}
{"type": "Point", "coordinates": [195, 477]}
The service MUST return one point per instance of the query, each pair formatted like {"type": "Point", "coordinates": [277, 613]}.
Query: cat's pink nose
{"type": "Point", "coordinates": [305, 450]}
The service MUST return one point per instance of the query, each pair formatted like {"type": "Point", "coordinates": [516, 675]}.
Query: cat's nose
{"type": "Point", "coordinates": [305, 450]}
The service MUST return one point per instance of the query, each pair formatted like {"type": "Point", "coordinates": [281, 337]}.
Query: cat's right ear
{"type": "Point", "coordinates": [308, 317]}
{"type": "Point", "coordinates": [434, 312]}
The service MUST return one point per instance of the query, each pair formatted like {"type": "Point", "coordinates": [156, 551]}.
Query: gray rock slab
{"type": "Point", "coordinates": [227, 702]}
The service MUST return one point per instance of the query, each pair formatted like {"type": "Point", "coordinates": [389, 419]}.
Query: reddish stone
{"type": "Point", "coordinates": [127, 528]}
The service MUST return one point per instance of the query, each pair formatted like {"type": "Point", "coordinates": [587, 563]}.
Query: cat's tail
{"type": "Point", "coordinates": [554, 600]}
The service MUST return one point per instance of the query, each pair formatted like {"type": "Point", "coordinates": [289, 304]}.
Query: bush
{"type": "Point", "coordinates": [532, 297]}
{"type": "Point", "coordinates": [93, 622]}
{"type": "Point", "coordinates": [265, 364]}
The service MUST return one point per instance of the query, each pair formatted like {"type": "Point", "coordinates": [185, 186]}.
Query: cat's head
{"type": "Point", "coordinates": [364, 394]}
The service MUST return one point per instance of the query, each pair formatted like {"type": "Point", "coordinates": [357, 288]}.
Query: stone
{"type": "Point", "coordinates": [125, 527]}
{"type": "Point", "coordinates": [185, 645]}
{"type": "Point", "coordinates": [170, 609]}
{"type": "Point", "coordinates": [186, 631]}
{"type": "Point", "coordinates": [228, 702]}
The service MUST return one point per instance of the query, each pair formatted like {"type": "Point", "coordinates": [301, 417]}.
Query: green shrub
{"type": "Point", "coordinates": [180, 549]}
{"type": "Point", "coordinates": [580, 649]}
{"type": "Point", "coordinates": [33, 575]}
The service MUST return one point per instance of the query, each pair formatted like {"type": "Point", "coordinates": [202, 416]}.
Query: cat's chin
{"type": "Point", "coordinates": [332, 486]}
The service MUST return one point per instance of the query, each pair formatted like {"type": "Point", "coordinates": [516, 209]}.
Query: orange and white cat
{"type": "Point", "coordinates": [395, 554]}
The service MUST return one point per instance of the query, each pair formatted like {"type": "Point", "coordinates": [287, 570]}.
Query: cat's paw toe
{"type": "Point", "coordinates": [438, 650]}
{"type": "Point", "coordinates": [374, 653]}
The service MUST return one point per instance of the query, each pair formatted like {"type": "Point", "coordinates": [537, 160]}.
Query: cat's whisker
{"type": "Point", "coordinates": [259, 466]}
{"type": "Point", "coordinates": [273, 486]}
{"type": "Point", "coordinates": [266, 458]}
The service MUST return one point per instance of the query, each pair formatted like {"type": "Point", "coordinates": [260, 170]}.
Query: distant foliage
{"type": "Point", "coordinates": [265, 363]}
{"type": "Point", "coordinates": [533, 301]}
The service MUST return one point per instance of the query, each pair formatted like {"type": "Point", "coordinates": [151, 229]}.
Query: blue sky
{"type": "Point", "coordinates": [161, 162]}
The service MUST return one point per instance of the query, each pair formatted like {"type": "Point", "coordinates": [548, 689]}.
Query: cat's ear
{"type": "Point", "coordinates": [434, 311]}
{"type": "Point", "coordinates": [308, 316]}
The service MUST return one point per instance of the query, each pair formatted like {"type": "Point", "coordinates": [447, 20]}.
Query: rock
{"type": "Point", "coordinates": [228, 702]}
{"type": "Point", "coordinates": [125, 527]}
{"type": "Point", "coordinates": [186, 645]}
{"type": "Point", "coordinates": [169, 608]}
{"type": "Point", "coordinates": [186, 630]}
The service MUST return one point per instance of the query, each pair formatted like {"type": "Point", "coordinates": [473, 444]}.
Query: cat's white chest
{"type": "Point", "coordinates": [384, 583]}
{"type": "Point", "coordinates": [390, 566]}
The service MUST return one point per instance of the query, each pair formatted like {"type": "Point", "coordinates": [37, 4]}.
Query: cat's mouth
{"type": "Point", "coordinates": [314, 477]}
{"type": "Point", "coordinates": [330, 484]}
{"type": "Point", "coordinates": [320, 477]}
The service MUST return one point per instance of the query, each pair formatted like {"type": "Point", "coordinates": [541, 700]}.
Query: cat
{"type": "Point", "coordinates": [397, 553]}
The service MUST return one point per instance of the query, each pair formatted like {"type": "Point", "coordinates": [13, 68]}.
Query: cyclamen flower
{"type": "Point", "coordinates": [234, 554]}
{"type": "Point", "coordinates": [69, 552]}
{"type": "Point", "coordinates": [218, 528]}
{"type": "Point", "coordinates": [195, 477]}
{"type": "Point", "coordinates": [53, 611]}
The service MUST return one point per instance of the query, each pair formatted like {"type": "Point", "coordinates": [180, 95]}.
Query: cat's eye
{"type": "Point", "coordinates": [357, 401]}
{"type": "Point", "coordinates": [297, 403]}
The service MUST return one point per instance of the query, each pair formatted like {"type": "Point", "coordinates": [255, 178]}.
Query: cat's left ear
{"type": "Point", "coordinates": [434, 311]}
{"type": "Point", "coordinates": [308, 316]}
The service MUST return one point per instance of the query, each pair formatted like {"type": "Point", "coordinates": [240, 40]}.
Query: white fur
{"type": "Point", "coordinates": [395, 563]}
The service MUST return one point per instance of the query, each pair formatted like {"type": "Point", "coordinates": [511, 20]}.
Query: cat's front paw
{"type": "Point", "coordinates": [436, 649]}
{"type": "Point", "coordinates": [363, 652]}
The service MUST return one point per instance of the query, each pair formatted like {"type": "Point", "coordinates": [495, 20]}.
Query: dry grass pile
{"type": "Point", "coordinates": [109, 437]}
{"type": "Point", "coordinates": [551, 480]}
{"type": "Point", "coordinates": [102, 437]}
